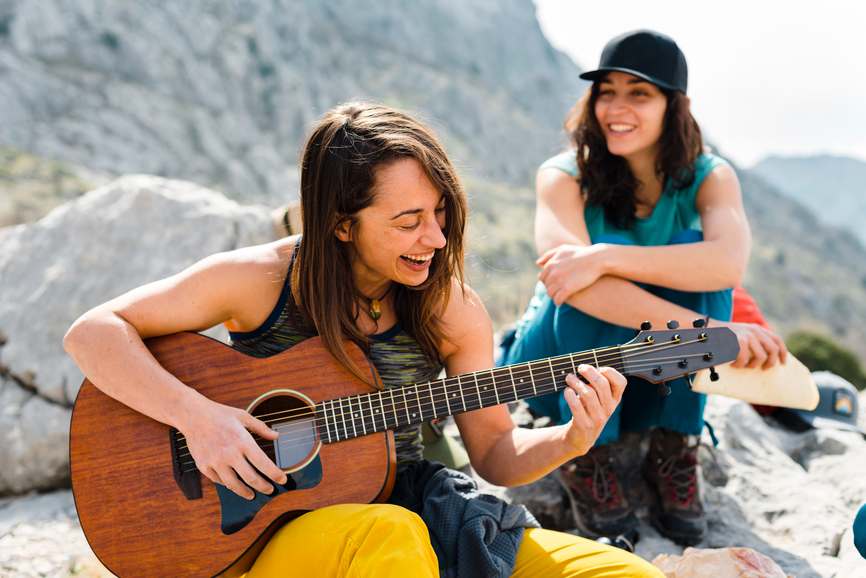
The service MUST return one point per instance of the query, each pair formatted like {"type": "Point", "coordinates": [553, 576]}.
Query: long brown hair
{"type": "Point", "coordinates": [606, 179]}
{"type": "Point", "coordinates": [338, 169]}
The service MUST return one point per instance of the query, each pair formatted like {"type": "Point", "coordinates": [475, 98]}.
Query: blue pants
{"type": "Point", "coordinates": [547, 330]}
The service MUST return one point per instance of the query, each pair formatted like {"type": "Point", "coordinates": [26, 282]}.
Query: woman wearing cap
{"type": "Point", "coordinates": [634, 223]}
{"type": "Point", "coordinates": [380, 263]}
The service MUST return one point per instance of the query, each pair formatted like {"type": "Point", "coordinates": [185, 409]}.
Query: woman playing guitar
{"type": "Point", "coordinates": [380, 264]}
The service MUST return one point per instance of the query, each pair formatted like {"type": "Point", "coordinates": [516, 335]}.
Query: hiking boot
{"type": "Point", "coordinates": [671, 468]}
{"type": "Point", "coordinates": [596, 494]}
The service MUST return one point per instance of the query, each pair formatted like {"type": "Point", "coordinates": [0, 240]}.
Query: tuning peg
{"type": "Point", "coordinates": [698, 323]}
{"type": "Point", "coordinates": [663, 390]}
{"type": "Point", "coordinates": [673, 324]}
{"type": "Point", "coordinates": [657, 370]}
{"type": "Point", "coordinates": [713, 375]}
{"type": "Point", "coordinates": [646, 326]}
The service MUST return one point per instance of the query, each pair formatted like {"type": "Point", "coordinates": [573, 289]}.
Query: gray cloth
{"type": "Point", "coordinates": [474, 535]}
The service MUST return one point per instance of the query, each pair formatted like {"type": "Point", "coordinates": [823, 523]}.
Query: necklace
{"type": "Point", "coordinates": [374, 305]}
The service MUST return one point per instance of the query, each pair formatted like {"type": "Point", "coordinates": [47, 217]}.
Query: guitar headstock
{"type": "Point", "coordinates": [662, 355]}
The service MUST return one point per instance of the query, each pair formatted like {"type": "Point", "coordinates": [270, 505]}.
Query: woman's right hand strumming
{"type": "Point", "coordinates": [221, 440]}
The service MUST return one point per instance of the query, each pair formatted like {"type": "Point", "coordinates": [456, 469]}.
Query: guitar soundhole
{"type": "Point", "coordinates": [294, 418]}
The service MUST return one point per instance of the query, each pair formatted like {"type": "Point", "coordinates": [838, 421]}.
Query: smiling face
{"type": "Point", "coordinates": [395, 238]}
{"type": "Point", "coordinates": [630, 112]}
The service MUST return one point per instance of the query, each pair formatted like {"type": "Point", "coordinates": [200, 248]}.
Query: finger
{"type": "Point", "coordinates": [771, 348]}
{"type": "Point", "coordinates": [545, 257]}
{"type": "Point", "coordinates": [259, 427]}
{"type": "Point", "coordinates": [212, 475]}
{"type": "Point", "coordinates": [263, 464]}
{"type": "Point", "coordinates": [783, 349]}
{"type": "Point", "coordinates": [251, 477]}
{"type": "Point", "coordinates": [578, 412]}
{"type": "Point", "coordinates": [745, 353]}
{"type": "Point", "coordinates": [602, 388]}
{"type": "Point", "coordinates": [617, 383]}
{"type": "Point", "coordinates": [589, 399]}
{"type": "Point", "coordinates": [231, 480]}
{"type": "Point", "coordinates": [759, 356]}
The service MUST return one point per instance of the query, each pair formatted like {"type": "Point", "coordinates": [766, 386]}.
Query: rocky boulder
{"type": "Point", "coordinates": [135, 230]}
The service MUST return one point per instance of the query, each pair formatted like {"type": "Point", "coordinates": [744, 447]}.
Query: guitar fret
{"type": "Point", "coordinates": [418, 401]}
{"type": "Point", "coordinates": [382, 405]}
{"type": "Point", "coordinates": [432, 399]}
{"type": "Point", "coordinates": [394, 407]}
{"type": "Point", "coordinates": [406, 401]}
{"type": "Point", "coordinates": [445, 389]}
{"type": "Point", "coordinates": [343, 419]}
{"type": "Point", "coordinates": [552, 373]}
{"type": "Point", "coordinates": [594, 356]}
{"type": "Point", "coordinates": [372, 413]}
{"type": "Point", "coordinates": [462, 399]}
{"type": "Point", "coordinates": [493, 383]}
{"type": "Point", "coordinates": [513, 383]}
{"type": "Point", "coordinates": [532, 379]}
{"type": "Point", "coordinates": [478, 390]}
{"type": "Point", "coordinates": [327, 427]}
{"type": "Point", "coordinates": [352, 411]}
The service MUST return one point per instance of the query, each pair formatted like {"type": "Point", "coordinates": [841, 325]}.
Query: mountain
{"type": "Point", "coordinates": [223, 92]}
{"type": "Point", "coordinates": [833, 187]}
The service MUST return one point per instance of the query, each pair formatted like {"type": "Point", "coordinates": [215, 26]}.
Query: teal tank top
{"type": "Point", "coordinates": [674, 212]}
{"type": "Point", "coordinates": [396, 355]}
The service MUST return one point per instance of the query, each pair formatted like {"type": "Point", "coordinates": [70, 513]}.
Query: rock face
{"type": "Point", "coordinates": [222, 92]}
{"type": "Point", "coordinates": [130, 232]}
{"type": "Point", "coordinates": [790, 496]}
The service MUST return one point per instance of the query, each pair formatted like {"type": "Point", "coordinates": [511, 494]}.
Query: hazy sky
{"type": "Point", "coordinates": [765, 77]}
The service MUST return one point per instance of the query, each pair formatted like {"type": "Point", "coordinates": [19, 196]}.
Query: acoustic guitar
{"type": "Point", "coordinates": [147, 511]}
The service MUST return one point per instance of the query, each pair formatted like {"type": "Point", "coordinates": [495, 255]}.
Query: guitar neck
{"type": "Point", "coordinates": [347, 417]}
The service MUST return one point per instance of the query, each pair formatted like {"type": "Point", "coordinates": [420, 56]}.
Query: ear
{"type": "Point", "coordinates": [344, 230]}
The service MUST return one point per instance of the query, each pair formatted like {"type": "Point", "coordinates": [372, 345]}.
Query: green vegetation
{"type": "Point", "coordinates": [31, 186]}
{"type": "Point", "coordinates": [820, 353]}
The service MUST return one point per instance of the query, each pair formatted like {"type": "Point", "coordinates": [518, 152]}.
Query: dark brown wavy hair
{"type": "Point", "coordinates": [606, 179]}
{"type": "Point", "coordinates": [340, 158]}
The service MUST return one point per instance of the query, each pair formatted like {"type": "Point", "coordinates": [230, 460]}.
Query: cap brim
{"type": "Point", "coordinates": [594, 75]}
{"type": "Point", "coordinates": [819, 422]}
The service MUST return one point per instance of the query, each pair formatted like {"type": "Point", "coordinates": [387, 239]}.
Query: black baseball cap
{"type": "Point", "coordinates": [646, 54]}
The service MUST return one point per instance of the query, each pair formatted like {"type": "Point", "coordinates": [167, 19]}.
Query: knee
{"type": "Point", "coordinates": [398, 520]}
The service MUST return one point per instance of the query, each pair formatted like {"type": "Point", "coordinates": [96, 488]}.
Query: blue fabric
{"type": "Point", "coordinates": [547, 330]}
{"type": "Point", "coordinates": [860, 531]}
{"type": "Point", "coordinates": [473, 534]}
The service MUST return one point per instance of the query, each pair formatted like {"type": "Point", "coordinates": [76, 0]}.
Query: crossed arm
{"type": "Point", "coordinates": [593, 277]}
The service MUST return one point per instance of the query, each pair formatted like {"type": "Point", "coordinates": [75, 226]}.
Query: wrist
{"type": "Point", "coordinates": [610, 257]}
{"type": "Point", "coordinates": [189, 406]}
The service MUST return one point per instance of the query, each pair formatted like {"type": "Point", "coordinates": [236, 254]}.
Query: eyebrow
{"type": "Point", "coordinates": [416, 211]}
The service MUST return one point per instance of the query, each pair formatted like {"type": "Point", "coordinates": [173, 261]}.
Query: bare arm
{"type": "Point", "coordinates": [500, 452]}
{"type": "Point", "coordinates": [107, 344]}
{"type": "Point", "coordinates": [718, 262]}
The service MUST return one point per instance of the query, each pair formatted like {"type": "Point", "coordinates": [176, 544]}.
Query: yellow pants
{"type": "Point", "coordinates": [386, 541]}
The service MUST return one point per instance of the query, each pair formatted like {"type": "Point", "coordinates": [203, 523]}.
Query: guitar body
{"type": "Point", "coordinates": [145, 515]}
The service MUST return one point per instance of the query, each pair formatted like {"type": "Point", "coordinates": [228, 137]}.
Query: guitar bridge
{"type": "Point", "coordinates": [186, 474]}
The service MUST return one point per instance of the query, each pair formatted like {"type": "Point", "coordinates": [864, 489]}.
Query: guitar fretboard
{"type": "Point", "coordinates": [348, 417]}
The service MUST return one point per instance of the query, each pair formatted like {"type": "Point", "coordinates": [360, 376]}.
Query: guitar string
{"type": "Point", "coordinates": [309, 437]}
{"type": "Point", "coordinates": [527, 369]}
{"type": "Point", "coordinates": [488, 374]}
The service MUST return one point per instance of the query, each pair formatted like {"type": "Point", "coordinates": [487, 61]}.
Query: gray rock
{"type": "Point", "coordinates": [135, 230]}
{"type": "Point", "coordinates": [226, 96]}
{"type": "Point", "coordinates": [34, 440]}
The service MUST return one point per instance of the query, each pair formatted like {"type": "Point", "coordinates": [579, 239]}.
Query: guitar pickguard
{"type": "Point", "coordinates": [237, 512]}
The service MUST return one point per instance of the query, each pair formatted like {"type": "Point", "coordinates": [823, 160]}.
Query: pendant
{"type": "Point", "coordinates": [375, 309]}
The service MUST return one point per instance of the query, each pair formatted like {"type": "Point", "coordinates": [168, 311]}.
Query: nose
{"type": "Point", "coordinates": [433, 235]}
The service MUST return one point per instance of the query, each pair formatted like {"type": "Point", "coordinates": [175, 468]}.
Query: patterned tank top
{"type": "Point", "coordinates": [396, 355]}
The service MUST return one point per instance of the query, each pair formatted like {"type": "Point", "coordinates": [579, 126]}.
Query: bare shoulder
{"type": "Point", "coordinates": [465, 320]}
{"type": "Point", "coordinates": [722, 182]}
